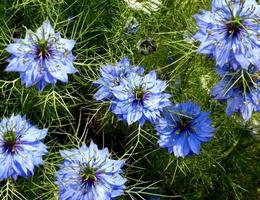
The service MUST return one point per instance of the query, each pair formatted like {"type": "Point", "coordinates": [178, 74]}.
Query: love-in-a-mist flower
{"type": "Point", "coordinates": [111, 77]}
{"type": "Point", "coordinates": [241, 90]}
{"type": "Point", "coordinates": [140, 98]}
{"type": "Point", "coordinates": [90, 174]}
{"type": "Point", "coordinates": [42, 57]}
{"type": "Point", "coordinates": [21, 147]}
{"type": "Point", "coordinates": [230, 33]}
{"type": "Point", "coordinates": [183, 128]}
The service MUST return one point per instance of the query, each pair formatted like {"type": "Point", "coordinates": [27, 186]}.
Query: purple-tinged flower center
{"type": "Point", "coordinates": [10, 140]}
{"type": "Point", "coordinates": [42, 49]}
{"type": "Point", "coordinates": [184, 123]}
{"type": "Point", "coordinates": [117, 81]}
{"type": "Point", "coordinates": [139, 94]}
{"type": "Point", "coordinates": [88, 175]}
{"type": "Point", "coordinates": [234, 26]}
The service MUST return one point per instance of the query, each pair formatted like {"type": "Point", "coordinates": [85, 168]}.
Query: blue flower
{"type": "Point", "coordinates": [230, 33]}
{"type": "Point", "coordinates": [183, 128]}
{"type": "Point", "coordinates": [21, 147]}
{"type": "Point", "coordinates": [140, 98]}
{"type": "Point", "coordinates": [89, 174]}
{"type": "Point", "coordinates": [111, 77]}
{"type": "Point", "coordinates": [241, 90]}
{"type": "Point", "coordinates": [42, 58]}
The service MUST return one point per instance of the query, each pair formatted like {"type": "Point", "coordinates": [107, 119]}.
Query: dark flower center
{"type": "Point", "coordinates": [234, 26]}
{"type": "Point", "coordinates": [184, 123]}
{"type": "Point", "coordinates": [42, 48]}
{"type": "Point", "coordinates": [139, 94]}
{"type": "Point", "coordinates": [116, 81]}
{"type": "Point", "coordinates": [88, 175]}
{"type": "Point", "coordinates": [10, 140]}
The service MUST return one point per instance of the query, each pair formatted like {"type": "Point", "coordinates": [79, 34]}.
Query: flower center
{"type": "Point", "coordinates": [89, 175]}
{"type": "Point", "coordinates": [184, 123]}
{"type": "Point", "coordinates": [42, 50]}
{"type": "Point", "coordinates": [139, 94]}
{"type": "Point", "coordinates": [116, 81]}
{"type": "Point", "coordinates": [234, 26]}
{"type": "Point", "coordinates": [10, 140]}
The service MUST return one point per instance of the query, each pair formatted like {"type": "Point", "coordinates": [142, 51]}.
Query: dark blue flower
{"type": "Point", "coordinates": [21, 147]}
{"type": "Point", "coordinates": [89, 174]}
{"type": "Point", "coordinates": [111, 77]}
{"type": "Point", "coordinates": [241, 90]}
{"type": "Point", "coordinates": [42, 58]}
{"type": "Point", "coordinates": [140, 98]}
{"type": "Point", "coordinates": [183, 128]}
{"type": "Point", "coordinates": [230, 33]}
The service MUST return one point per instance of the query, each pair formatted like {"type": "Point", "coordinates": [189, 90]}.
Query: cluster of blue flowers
{"type": "Point", "coordinates": [136, 97]}
{"type": "Point", "coordinates": [87, 173]}
{"type": "Point", "coordinates": [43, 58]}
{"type": "Point", "coordinates": [230, 34]}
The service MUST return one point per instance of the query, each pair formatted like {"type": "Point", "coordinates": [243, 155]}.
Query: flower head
{"type": "Point", "coordinates": [21, 147]}
{"type": "Point", "coordinates": [230, 33]}
{"type": "Point", "coordinates": [89, 174]}
{"type": "Point", "coordinates": [140, 98]}
{"type": "Point", "coordinates": [42, 58]}
{"type": "Point", "coordinates": [183, 128]}
{"type": "Point", "coordinates": [111, 77]}
{"type": "Point", "coordinates": [241, 90]}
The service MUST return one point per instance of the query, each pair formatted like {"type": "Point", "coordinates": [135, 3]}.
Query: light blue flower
{"type": "Point", "coordinates": [140, 98]}
{"type": "Point", "coordinates": [111, 77]}
{"type": "Point", "coordinates": [241, 90]}
{"type": "Point", "coordinates": [89, 174]}
{"type": "Point", "coordinates": [183, 128]}
{"type": "Point", "coordinates": [42, 58]}
{"type": "Point", "coordinates": [21, 147]}
{"type": "Point", "coordinates": [230, 33]}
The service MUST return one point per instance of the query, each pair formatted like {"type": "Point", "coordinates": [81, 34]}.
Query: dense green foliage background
{"type": "Point", "coordinates": [228, 166]}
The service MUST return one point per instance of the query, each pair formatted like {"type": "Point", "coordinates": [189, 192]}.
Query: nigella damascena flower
{"type": "Point", "coordinates": [140, 98]}
{"type": "Point", "coordinates": [230, 32]}
{"type": "Point", "coordinates": [89, 174]}
{"type": "Point", "coordinates": [241, 90]}
{"type": "Point", "coordinates": [183, 128]}
{"type": "Point", "coordinates": [111, 77]}
{"type": "Point", "coordinates": [42, 58]}
{"type": "Point", "coordinates": [21, 147]}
